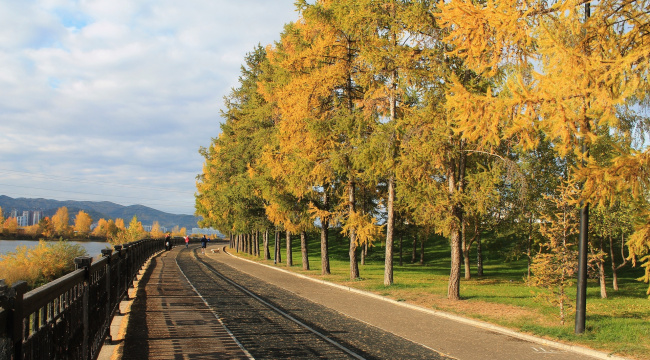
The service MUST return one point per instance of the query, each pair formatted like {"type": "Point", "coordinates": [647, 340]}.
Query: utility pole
{"type": "Point", "coordinates": [581, 296]}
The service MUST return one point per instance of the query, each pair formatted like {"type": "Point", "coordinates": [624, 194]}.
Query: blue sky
{"type": "Point", "coordinates": [111, 99]}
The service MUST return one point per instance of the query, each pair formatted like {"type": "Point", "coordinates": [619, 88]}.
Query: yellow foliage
{"type": "Point", "coordinates": [32, 230]}
{"type": "Point", "coordinates": [639, 245]}
{"type": "Point", "coordinates": [156, 231]}
{"type": "Point", "coordinates": [365, 227]}
{"type": "Point", "coordinates": [101, 228]}
{"type": "Point", "coordinates": [40, 264]}
{"type": "Point", "coordinates": [135, 232]}
{"type": "Point", "coordinates": [60, 221]}
{"type": "Point", "coordinates": [10, 225]}
{"type": "Point", "coordinates": [82, 222]}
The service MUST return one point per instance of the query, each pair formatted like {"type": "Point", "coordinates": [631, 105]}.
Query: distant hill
{"type": "Point", "coordinates": [98, 210]}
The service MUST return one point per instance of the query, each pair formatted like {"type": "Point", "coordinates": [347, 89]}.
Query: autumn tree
{"type": "Point", "coordinates": [112, 227]}
{"type": "Point", "coordinates": [319, 97]}
{"type": "Point", "coordinates": [101, 228]}
{"type": "Point", "coordinates": [156, 232]}
{"type": "Point", "coordinates": [45, 227]}
{"type": "Point", "coordinates": [229, 189]}
{"type": "Point", "coordinates": [134, 232]}
{"type": "Point", "coordinates": [554, 267]}
{"type": "Point", "coordinates": [10, 225]}
{"type": "Point", "coordinates": [568, 70]}
{"type": "Point", "coordinates": [82, 222]}
{"type": "Point", "coordinates": [60, 221]}
{"type": "Point", "coordinates": [391, 53]}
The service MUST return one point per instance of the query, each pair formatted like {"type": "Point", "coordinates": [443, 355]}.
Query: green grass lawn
{"type": "Point", "coordinates": [619, 324]}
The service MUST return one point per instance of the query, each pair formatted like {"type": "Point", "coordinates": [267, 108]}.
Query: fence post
{"type": "Point", "coordinates": [11, 299]}
{"type": "Point", "coordinates": [120, 262]}
{"type": "Point", "coordinates": [107, 254]}
{"type": "Point", "coordinates": [84, 262]}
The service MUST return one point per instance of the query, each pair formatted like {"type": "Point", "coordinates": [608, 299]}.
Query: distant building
{"type": "Point", "coordinates": [38, 215]}
{"type": "Point", "coordinates": [24, 220]}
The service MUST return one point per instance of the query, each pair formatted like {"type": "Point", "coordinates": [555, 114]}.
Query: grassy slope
{"type": "Point", "coordinates": [619, 324]}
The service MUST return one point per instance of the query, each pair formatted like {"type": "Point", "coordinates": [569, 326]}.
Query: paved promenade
{"type": "Point", "coordinates": [168, 320]}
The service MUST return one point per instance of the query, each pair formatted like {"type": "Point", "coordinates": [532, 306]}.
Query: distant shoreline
{"type": "Point", "coordinates": [27, 237]}
{"type": "Point", "coordinates": [93, 248]}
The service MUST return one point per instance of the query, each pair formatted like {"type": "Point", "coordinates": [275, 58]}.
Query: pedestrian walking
{"type": "Point", "coordinates": [204, 244]}
{"type": "Point", "coordinates": [168, 242]}
{"type": "Point", "coordinates": [187, 241]}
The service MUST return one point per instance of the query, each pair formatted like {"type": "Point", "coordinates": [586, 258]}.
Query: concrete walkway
{"type": "Point", "coordinates": [452, 335]}
{"type": "Point", "coordinates": [167, 319]}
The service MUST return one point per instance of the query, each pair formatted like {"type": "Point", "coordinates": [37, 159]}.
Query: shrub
{"type": "Point", "coordinates": [39, 264]}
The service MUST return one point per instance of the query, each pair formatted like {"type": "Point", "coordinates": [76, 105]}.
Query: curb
{"type": "Point", "coordinates": [477, 323]}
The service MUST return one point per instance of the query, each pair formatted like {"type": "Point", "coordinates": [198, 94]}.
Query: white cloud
{"type": "Point", "coordinates": [121, 89]}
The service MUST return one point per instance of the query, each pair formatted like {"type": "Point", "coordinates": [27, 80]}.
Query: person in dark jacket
{"type": "Point", "coordinates": [168, 242]}
{"type": "Point", "coordinates": [204, 244]}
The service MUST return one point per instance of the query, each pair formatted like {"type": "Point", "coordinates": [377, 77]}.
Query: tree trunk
{"type": "Point", "coordinates": [267, 252]}
{"type": "Point", "coordinates": [278, 257]}
{"type": "Point", "coordinates": [479, 255]}
{"type": "Point", "coordinates": [388, 262]}
{"type": "Point", "coordinates": [614, 266]}
{"type": "Point", "coordinates": [304, 251]}
{"type": "Point", "coordinates": [289, 251]}
{"type": "Point", "coordinates": [453, 289]}
{"type": "Point", "coordinates": [354, 267]}
{"type": "Point", "coordinates": [465, 246]}
{"type": "Point", "coordinates": [529, 250]}
{"type": "Point", "coordinates": [601, 273]}
{"type": "Point", "coordinates": [257, 243]}
{"type": "Point", "coordinates": [324, 232]}
{"type": "Point", "coordinates": [456, 211]}
{"type": "Point", "coordinates": [415, 247]}
{"type": "Point", "coordinates": [401, 238]}
{"type": "Point", "coordinates": [614, 269]}
{"type": "Point", "coordinates": [422, 239]}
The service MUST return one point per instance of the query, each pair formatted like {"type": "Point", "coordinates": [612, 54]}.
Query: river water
{"type": "Point", "coordinates": [93, 249]}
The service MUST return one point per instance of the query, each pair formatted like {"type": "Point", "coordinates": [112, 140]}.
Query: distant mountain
{"type": "Point", "coordinates": [98, 210]}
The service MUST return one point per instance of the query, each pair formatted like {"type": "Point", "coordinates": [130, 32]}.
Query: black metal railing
{"type": "Point", "coordinates": [70, 317]}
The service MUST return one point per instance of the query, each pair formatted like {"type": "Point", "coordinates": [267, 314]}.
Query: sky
{"type": "Point", "coordinates": [110, 100]}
